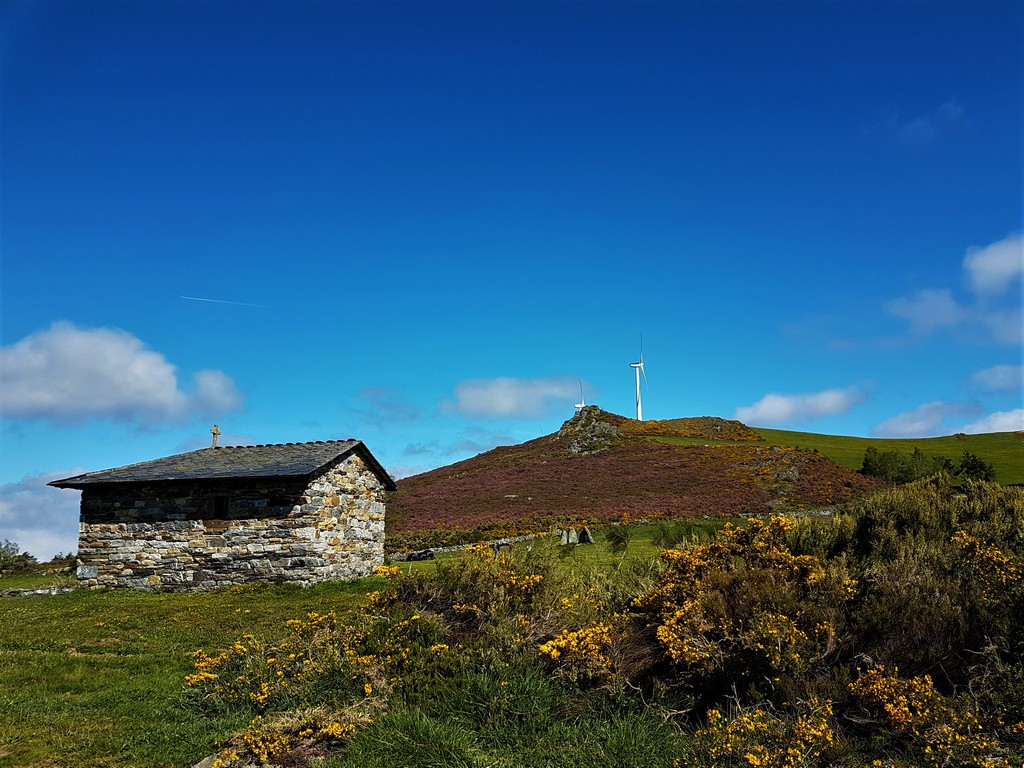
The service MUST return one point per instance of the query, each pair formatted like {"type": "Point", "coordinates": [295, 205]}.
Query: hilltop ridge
{"type": "Point", "coordinates": [600, 466]}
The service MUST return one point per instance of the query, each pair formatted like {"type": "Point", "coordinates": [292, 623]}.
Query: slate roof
{"type": "Point", "coordinates": [233, 463]}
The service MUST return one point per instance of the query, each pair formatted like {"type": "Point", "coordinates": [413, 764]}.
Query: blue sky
{"type": "Point", "coordinates": [423, 224]}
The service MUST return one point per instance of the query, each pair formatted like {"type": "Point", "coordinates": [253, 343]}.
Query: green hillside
{"type": "Point", "coordinates": [1004, 450]}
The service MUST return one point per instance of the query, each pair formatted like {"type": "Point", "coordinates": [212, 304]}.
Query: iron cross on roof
{"type": "Point", "coordinates": [215, 432]}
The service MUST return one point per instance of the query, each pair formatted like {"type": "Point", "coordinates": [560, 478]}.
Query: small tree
{"type": "Point", "coordinates": [11, 560]}
{"type": "Point", "coordinates": [976, 468]}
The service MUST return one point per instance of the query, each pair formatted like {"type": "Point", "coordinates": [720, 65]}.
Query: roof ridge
{"type": "Point", "coordinates": [279, 445]}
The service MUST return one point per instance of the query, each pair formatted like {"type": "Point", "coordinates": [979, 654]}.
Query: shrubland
{"type": "Point", "coordinates": [890, 633]}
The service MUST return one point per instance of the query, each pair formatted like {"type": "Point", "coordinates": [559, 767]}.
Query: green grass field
{"type": "Point", "coordinates": [36, 580]}
{"type": "Point", "coordinates": [94, 678]}
{"type": "Point", "coordinates": [643, 544]}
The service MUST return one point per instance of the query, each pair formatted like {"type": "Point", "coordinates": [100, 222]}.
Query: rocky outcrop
{"type": "Point", "coordinates": [589, 431]}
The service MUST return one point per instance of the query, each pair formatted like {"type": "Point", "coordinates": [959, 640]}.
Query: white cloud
{"type": "Point", "coordinates": [509, 397]}
{"type": "Point", "coordinates": [421, 449]}
{"type": "Point", "coordinates": [1001, 421]}
{"type": "Point", "coordinates": [994, 269]}
{"type": "Point", "coordinates": [1000, 378]}
{"type": "Point", "coordinates": [42, 520]}
{"type": "Point", "coordinates": [1007, 325]}
{"type": "Point", "coordinates": [474, 440]}
{"type": "Point", "coordinates": [922, 131]}
{"type": "Point", "coordinates": [926, 420]}
{"type": "Point", "coordinates": [215, 392]}
{"type": "Point", "coordinates": [780, 409]}
{"type": "Point", "coordinates": [993, 274]}
{"type": "Point", "coordinates": [928, 309]}
{"type": "Point", "coordinates": [69, 374]}
{"type": "Point", "coordinates": [399, 471]}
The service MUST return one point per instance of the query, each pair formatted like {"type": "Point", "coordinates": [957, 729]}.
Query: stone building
{"type": "Point", "coordinates": [296, 512]}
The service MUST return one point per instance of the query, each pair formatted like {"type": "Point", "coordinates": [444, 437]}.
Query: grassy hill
{"type": "Point", "coordinates": [1004, 450]}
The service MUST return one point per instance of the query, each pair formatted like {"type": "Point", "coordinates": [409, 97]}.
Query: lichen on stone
{"type": "Point", "coordinates": [589, 432]}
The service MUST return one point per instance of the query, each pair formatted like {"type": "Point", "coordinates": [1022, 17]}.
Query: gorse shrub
{"type": "Point", "coordinates": [271, 740]}
{"type": "Point", "coordinates": [583, 653]}
{"type": "Point", "coordinates": [937, 730]}
{"type": "Point", "coordinates": [743, 614]}
{"type": "Point", "coordinates": [932, 511]}
{"type": "Point", "coordinates": [941, 574]}
{"type": "Point", "coordinates": [824, 537]}
{"type": "Point", "coordinates": [760, 738]}
{"type": "Point", "coordinates": [773, 643]}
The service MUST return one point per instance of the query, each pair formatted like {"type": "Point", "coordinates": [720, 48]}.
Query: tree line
{"type": "Point", "coordinates": [899, 467]}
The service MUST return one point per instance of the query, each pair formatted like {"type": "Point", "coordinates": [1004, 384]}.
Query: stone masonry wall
{"type": "Point", "coordinates": [178, 536]}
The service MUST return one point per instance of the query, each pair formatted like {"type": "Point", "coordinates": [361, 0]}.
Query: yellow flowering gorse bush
{"type": "Point", "coordinates": [757, 738]}
{"type": "Point", "coordinates": [940, 730]}
{"type": "Point", "coordinates": [786, 620]}
{"type": "Point", "coordinates": [583, 653]}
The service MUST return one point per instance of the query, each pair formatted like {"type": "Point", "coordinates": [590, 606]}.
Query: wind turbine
{"type": "Point", "coordinates": [639, 368]}
{"type": "Point", "coordinates": [582, 403]}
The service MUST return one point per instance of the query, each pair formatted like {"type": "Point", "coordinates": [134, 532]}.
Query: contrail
{"type": "Point", "coordinates": [221, 301]}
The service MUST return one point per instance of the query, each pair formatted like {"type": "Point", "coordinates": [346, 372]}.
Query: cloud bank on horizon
{"type": "Point", "coordinates": [993, 274]}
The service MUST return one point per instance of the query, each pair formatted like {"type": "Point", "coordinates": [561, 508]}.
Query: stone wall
{"type": "Point", "coordinates": [184, 536]}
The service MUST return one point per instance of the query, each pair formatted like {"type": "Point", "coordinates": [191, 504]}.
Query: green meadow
{"type": "Point", "coordinates": [94, 678]}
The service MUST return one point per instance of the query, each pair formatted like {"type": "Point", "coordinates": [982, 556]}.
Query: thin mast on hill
{"type": "Point", "coordinates": [582, 403]}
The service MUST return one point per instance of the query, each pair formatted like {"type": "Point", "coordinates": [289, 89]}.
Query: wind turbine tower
{"type": "Point", "coordinates": [639, 368]}
{"type": "Point", "coordinates": [582, 403]}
